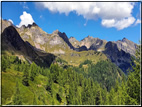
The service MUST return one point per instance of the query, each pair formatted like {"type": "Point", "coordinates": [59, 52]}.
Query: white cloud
{"type": "Point", "coordinates": [120, 12]}
{"type": "Point", "coordinates": [138, 21]}
{"type": "Point", "coordinates": [119, 24]}
{"type": "Point", "coordinates": [10, 21]}
{"type": "Point", "coordinates": [26, 19]}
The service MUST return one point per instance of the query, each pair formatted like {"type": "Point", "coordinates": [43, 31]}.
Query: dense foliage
{"type": "Point", "coordinates": [104, 72]}
{"type": "Point", "coordinates": [97, 84]}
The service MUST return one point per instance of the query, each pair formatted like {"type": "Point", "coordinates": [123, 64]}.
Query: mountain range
{"type": "Point", "coordinates": [31, 43]}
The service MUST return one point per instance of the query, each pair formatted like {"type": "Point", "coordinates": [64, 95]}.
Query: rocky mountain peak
{"type": "Point", "coordinates": [89, 37]}
{"type": "Point", "coordinates": [125, 39]}
{"type": "Point", "coordinates": [121, 58]}
{"type": "Point", "coordinates": [8, 21]}
{"type": "Point", "coordinates": [65, 38]}
{"type": "Point", "coordinates": [74, 42]}
{"type": "Point", "coordinates": [127, 45]}
{"type": "Point", "coordinates": [5, 23]}
{"type": "Point", "coordinates": [31, 25]}
{"type": "Point", "coordinates": [22, 27]}
{"type": "Point", "coordinates": [56, 31]}
{"type": "Point", "coordinates": [72, 37]}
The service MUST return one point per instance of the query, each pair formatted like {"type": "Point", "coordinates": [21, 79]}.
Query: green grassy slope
{"type": "Point", "coordinates": [75, 58]}
{"type": "Point", "coordinates": [36, 88]}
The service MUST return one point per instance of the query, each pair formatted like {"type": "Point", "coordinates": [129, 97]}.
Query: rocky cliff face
{"type": "Point", "coordinates": [74, 42]}
{"type": "Point", "coordinates": [34, 35]}
{"type": "Point", "coordinates": [93, 43]}
{"type": "Point", "coordinates": [117, 56]}
{"type": "Point", "coordinates": [98, 45]}
{"type": "Point", "coordinates": [4, 24]}
{"type": "Point", "coordinates": [119, 52]}
{"type": "Point", "coordinates": [127, 46]}
{"type": "Point", "coordinates": [89, 42]}
{"type": "Point", "coordinates": [64, 37]}
{"type": "Point", "coordinates": [56, 42]}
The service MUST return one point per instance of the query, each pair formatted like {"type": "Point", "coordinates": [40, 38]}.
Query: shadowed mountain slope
{"type": "Point", "coordinates": [12, 42]}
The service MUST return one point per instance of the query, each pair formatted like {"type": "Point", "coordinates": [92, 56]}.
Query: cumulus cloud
{"type": "Point", "coordinates": [26, 19]}
{"type": "Point", "coordinates": [115, 13]}
{"type": "Point", "coordinates": [10, 21]}
{"type": "Point", "coordinates": [119, 24]}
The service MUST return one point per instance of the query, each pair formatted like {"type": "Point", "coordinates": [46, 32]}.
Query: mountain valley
{"type": "Point", "coordinates": [52, 69]}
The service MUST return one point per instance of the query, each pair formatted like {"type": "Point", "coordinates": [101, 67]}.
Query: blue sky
{"type": "Point", "coordinates": [109, 21]}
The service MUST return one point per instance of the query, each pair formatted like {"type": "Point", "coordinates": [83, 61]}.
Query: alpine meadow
{"type": "Point", "coordinates": [70, 53]}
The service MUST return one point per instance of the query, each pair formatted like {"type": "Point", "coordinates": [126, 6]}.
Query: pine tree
{"type": "Point", "coordinates": [133, 82]}
{"type": "Point", "coordinates": [111, 96]}
{"type": "Point", "coordinates": [55, 69]}
{"type": "Point", "coordinates": [33, 71]}
{"type": "Point", "coordinates": [26, 76]}
{"type": "Point", "coordinates": [99, 99]}
{"type": "Point", "coordinates": [35, 100]}
{"type": "Point", "coordinates": [106, 102]}
{"type": "Point", "coordinates": [4, 63]}
{"type": "Point", "coordinates": [17, 100]}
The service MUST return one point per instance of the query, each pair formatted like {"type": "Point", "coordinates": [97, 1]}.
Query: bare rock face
{"type": "Point", "coordinates": [11, 37]}
{"type": "Point", "coordinates": [118, 56]}
{"type": "Point", "coordinates": [88, 41]}
{"type": "Point", "coordinates": [65, 38]}
{"type": "Point", "coordinates": [127, 46]}
{"type": "Point", "coordinates": [34, 35]}
{"type": "Point", "coordinates": [97, 44]}
{"type": "Point", "coordinates": [55, 40]}
{"type": "Point", "coordinates": [53, 43]}
{"type": "Point", "coordinates": [83, 48]}
{"type": "Point", "coordinates": [74, 42]}
{"type": "Point", "coordinates": [93, 43]}
{"type": "Point", "coordinates": [5, 24]}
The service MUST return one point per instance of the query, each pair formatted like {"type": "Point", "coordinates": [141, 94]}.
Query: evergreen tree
{"type": "Point", "coordinates": [133, 82]}
{"type": "Point", "coordinates": [4, 63]}
{"type": "Point", "coordinates": [54, 70]}
{"type": "Point", "coordinates": [17, 100]}
{"type": "Point", "coordinates": [26, 76]}
{"type": "Point", "coordinates": [111, 96]}
{"type": "Point", "coordinates": [99, 99]}
{"type": "Point", "coordinates": [35, 100]}
{"type": "Point", "coordinates": [33, 71]}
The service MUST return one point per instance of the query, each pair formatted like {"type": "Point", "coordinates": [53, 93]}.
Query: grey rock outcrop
{"type": "Point", "coordinates": [64, 37]}
{"type": "Point", "coordinates": [74, 42]}
{"type": "Point", "coordinates": [118, 56]}
{"type": "Point", "coordinates": [127, 46]}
